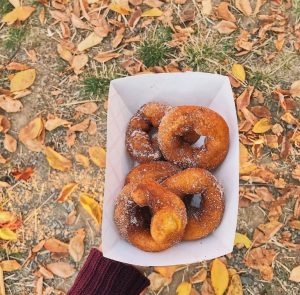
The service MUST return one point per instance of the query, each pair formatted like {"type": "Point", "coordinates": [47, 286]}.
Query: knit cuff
{"type": "Point", "coordinates": [102, 276]}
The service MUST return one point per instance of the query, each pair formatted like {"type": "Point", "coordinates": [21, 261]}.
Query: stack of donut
{"type": "Point", "coordinates": [159, 204]}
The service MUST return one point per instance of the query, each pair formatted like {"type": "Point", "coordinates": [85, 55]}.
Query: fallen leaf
{"type": "Point", "coordinates": [64, 53]}
{"type": "Point", "coordinates": [206, 7]}
{"type": "Point", "coordinates": [7, 234]}
{"type": "Point", "coordinates": [23, 174]}
{"type": "Point", "coordinates": [38, 290]}
{"type": "Point", "coordinates": [219, 276]}
{"type": "Point", "coordinates": [76, 245]}
{"type": "Point", "coordinates": [157, 281]}
{"type": "Point", "coordinates": [4, 124]}
{"type": "Point", "coordinates": [289, 118]}
{"type": "Point", "coordinates": [166, 271]}
{"type": "Point", "coordinates": [45, 272]}
{"type": "Point", "coordinates": [56, 160]}
{"type": "Point", "coordinates": [83, 160]}
{"type": "Point", "coordinates": [78, 62]}
{"type": "Point", "coordinates": [225, 27]}
{"type": "Point", "coordinates": [87, 108]}
{"type": "Point", "coordinates": [295, 274]}
{"type": "Point", "coordinates": [71, 218]}
{"type": "Point", "coordinates": [3, 160]}
{"type": "Point", "coordinates": [199, 277]}
{"type": "Point", "coordinates": [10, 144]}
{"type": "Point", "coordinates": [61, 269]}
{"type": "Point", "coordinates": [152, 12]}
{"type": "Point", "coordinates": [16, 66]}
{"type": "Point", "coordinates": [90, 41]}
{"type": "Point", "coordinates": [243, 100]}
{"type": "Point", "coordinates": [295, 89]}
{"type": "Point", "coordinates": [153, 3]}
{"type": "Point", "coordinates": [10, 105]}
{"type": "Point", "coordinates": [78, 23]}
{"type": "Point", "coordinates": [91, 206]}
{"type": "Point", "coordinates": [22, 80]}
{"type": "Point", "coordinates": [119, 9]}
{"type": "Point", "coordinates": [206, 288]}
{"type": "Point", "coordinates": [92, 130]}
{"type": "Point", "coordinates": [238, 72]}
{"type": "Point", "coordinates": [80, 127]}
{"type": "Point", "coordinates": [244, 6]}
{"type": "Point", "coordinates": [242, 239]}
{"type": "Point", "coordinates": [259, 4]}
{"type": "Point", "coordinates": [19, 13]}
{"type": "Point", "coordinates": [118, 38]}
{"type": "Point", "coordinates": [264, 232]}
{"type": "Point", "coordinates": [56, 246]}
{"type": "Point", "coordinates": [235, 286]}
{"type": "Point", "coordinates": [38, 246]}
{"type": "Point", "coordinates": [2, 287]}
{"type": "Point", "coordinates": [296, 172]}
{"type": "Point", "coordinates": [295, 224]}
{"type": "Point", "coordinates": [261, 112]}
{"type": "Point", "coordinates": [10, 265]}
{"type": "Point", "coordinates": [184, 288]}
{"type": "Point", "coordinates": [66, 192]}
{"type": "Point", "coordinates": [262, 126]}
{"type": "Point", "coordinates": [42, 17]}
{"type": "Point", "coordinates": [224, 12]}
{"type": "Point", "coordinates": [54, 123]}
{"type": "Point", "coordinates": [15, 3]}
{"type": "Point", "coordinates": [106, 56]}
{"type": "Point", "coordinates": [98, 155]}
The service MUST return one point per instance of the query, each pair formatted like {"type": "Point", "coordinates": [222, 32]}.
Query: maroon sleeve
{"type": "Point", "coordinates": [102, 276]}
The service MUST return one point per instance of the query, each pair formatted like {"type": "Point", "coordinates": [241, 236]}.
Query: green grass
{"type": "Point", "coordinates": [5, 7]}
{"type": "Point", "coordinates": [14, 37]}
{"type": "Point", "coordinates": [93, 85]}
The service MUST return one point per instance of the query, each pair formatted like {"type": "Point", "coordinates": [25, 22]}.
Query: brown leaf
{"type": "Point", "coordinates": [76, 245]}
{"type": "Point", "coordinates": [19, 13]}
{"type": "Point", "coordinates": [206, 288]}
{"type": "Point", "coordinates": [59, 15]}
{"type": "Point", "coordinates": [98, 156]}
{"type": "Point", "coordinates": [4, 124]}
{"type": "Point", "coordinates": [56, 246]}
{"type": "Point", "coordinates": [166, 271]}
{"type": "Point", "coordinates": [10, 144]}
{"type": "Point", "coordinates": [38, 246]}
{"type": "Point", "coordinates": [157, 281]}
{"type": "Point", "coordinates": [285, 148]}
{"type": "Point", "coordinates": [264, 232]}
{"type": "Point", "coordinates": [295, 89]}
{"type": "Point", "coordinates": [92, 130]}
{"type": "Point", "coordinates": [153, 3]}
{"type": "Point", "coordinates": [244, 6]}
{"type": "Point", "coordinates": [61, 269]}
{"type": "Point", "coordinates": [64, 53]}
{"type": "Point", "coordinates": [118, 38]}
{"type": "Point", "coordinates": [225, 27]}
{"type": "Point", "coordinates": [78, 23]}
{"type": "Point", "coordinates": [83, 160]}
{"type": "Point", "coordinates": [10, 265]}
{"type": "Point", "coordinates": [56, 122]}
{"type": "Point", "coordinates": [80, 127]}
{"type": "Point", "coordinates": [244, 99]}
{"type": "Point", "coordinates": [295, 274]}
{"type": "Point", "coordinates": [71, 218]}
{"type": "Point", "coordinates": [259, 4]}
{"type": "Point", "coordinates": [199, 277]}
{"type": "Point", "coordinates": [56, 160]}
{"type": "Point", "coordinates": [264, 194]}
{"type": "Point", "coordinates": [261, 259]}
{"type": "Point", "coordinates": [45, 273]}
{"type": "Point", "coordinates": [206, 7]}
{"type": "Point", "coordinates": [78, 62]}
{"type": "Point", "coordinates": [135, 17]}
{"type": "Point", "coordinates": [296, 172]}
{"type": "Point", "coordinates": [106, 56]}
{"type": "Point", "coordinates": [224, 13]}
{"type": "Point", "coordinates": [92, 40]}
{"type": "Point", "coordinates": [66, 192]}
{"type": "Point", "coordinates": [261, 112]}
{"type": "Point", "coordinates": [32, 130]}
{"type": "Point", "coordinates": [295, 224]}
{"type": "Point", "coordinates": [3, 160]}
{"type": "Point", "coordinates": [10, 105]}
{"type": "Point", "coordinates": [87, 108]}
{"type": "Point", "coordinates": [16, 66]}
{"type": "Point", "coordinates": [42, 18]}
{"type": "Point", "coordinates": [289, 118]}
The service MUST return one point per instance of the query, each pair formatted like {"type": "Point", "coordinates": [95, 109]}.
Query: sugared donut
{"type": "Point", "coordinates": [166, 225]}
{"type": "Point", "coordinates": [157, 170]}
{"type": "Point", "coordinates": [204, 122]}
{"type": "Point", "coordinates": [203, 220]}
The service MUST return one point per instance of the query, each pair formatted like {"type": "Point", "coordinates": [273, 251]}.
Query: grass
{"type": "Point", "coordinates": [5, 7]}
{"type": "Point", "coordinates": [93, 85]}
{"type": "Point", "coordinates": [14, 37]}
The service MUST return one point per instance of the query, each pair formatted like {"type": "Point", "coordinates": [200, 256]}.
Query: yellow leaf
{"type": "Point", "coordinates": [262, 126]}
{"type": "Point", "coordinates": [242, 239]}
{"type": "Point", "coordinates": [238, 72]}
{"type": "Point", "coordinates": [22, 80]}
{"type": "Point", "coordinates": [219, 276]}
{"type": "Point", "coordinates": [119, 9]}
{"type": "Point", "coordinates": [235, 287]}
{"type": "Point", "coordinates": [184, 288]}
{"type": "Point", "coordinates": [56, 160]}
{"type": "Point", "coordinates": [91, 206]}
{"type": "Point", "coordinates": [66, 191]}
{"type": "Point", "coordinates": [19, 13]}
{"type": "Point", "coordinates": [98, 155]}
{"type": "Point", "coordinates": [7, 234]}
{"type": "Point", "coordinates": [152, 12]}
{"type": "Point", "coordinates": [10, 265]}
{"type": "Point", "coordinates": [166, 271]}
{"type": "Point", "coordinates": [247, 168]}
{"type": "Point", "coordinates": [91, 40]}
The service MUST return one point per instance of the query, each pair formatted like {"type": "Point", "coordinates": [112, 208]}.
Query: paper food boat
{"type": "Point", "coordinates": [126, 96]}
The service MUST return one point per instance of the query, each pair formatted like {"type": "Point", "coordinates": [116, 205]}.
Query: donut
{"type": "Point", "coordinates": [204, 122]}
{"type": "Point", "coordinates": [140, 144]}
{"type": "Point", "coordinates": [167, 221]}
{"type": "Point", "coordinates": [157, 170]}
{"type": "Point", "coordinates": [204, 219]}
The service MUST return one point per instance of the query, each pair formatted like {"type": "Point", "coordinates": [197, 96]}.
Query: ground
{"type": "Point", "coordinates": [184, 38]}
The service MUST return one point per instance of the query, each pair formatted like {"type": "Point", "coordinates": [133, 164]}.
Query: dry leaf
{"type": "Point", "coordinates": [83, 160]}
{"type": "Point", "coordinates": [264, 232]}
{"type": "Point", "coordinates": [262, 126]}
{"type": "Point", "coordinates": [295, 89]}
{"type": "Point", "coordinates": [90, 41]}
{"type": "Point", "coordinates": [15, 3]}
{"type": "Point", "coordinates": [7, 234]}
{"type": "Point", "coordinates": [76, 245]}
{"type": "Point", "coordinates": [225, 27]}
{"type": "Point", "coordinates": [91, 206]}
{"type": "Point", "coordinates": [19, 13]}
{"type": "Point", "coordinates": [10, 265]}
{"type": "Point", "coordinates": [56, 246]}
{"type": "Point", "coordinates": [61, 269]}
{"type": "Point", "coordinates": [206, 288]}
{"type": "Point", "coordinates": [199, 277]}
{"type": "Point", "coordinates": [219, 276]}
{"type": "Point", "coordinates": [243, 100]}
{"type": "Point", "coordinates": [16, 66]}
{"type": "Point", "coordinates": [296, 172]}
{"type": "Point", "coordinates": [66, 192]}
{"type": "Point", "coordinates": [238, 72]}
{"type": "Point", "coordinates": [64, 53]}
{"type": "Point", "coordinates": [10, 144]}
{"type": "Point", "coordinates": [224, 13]}
{"type": "Point", "coordinates": [78, 23]}
{"type": "Point", "coordinates": [98, 155]}
{"type": "Point", "coordinates": [119, 9]}
{"type": "Point", "coordinates": [261, 112]}
{"type": "Point", "coordinates": [295, 274]}
{"type": "Point", "coordinates": [166, 271]}
{"type": "Point", "coordinates": [3, 160]}
{"type": "Point", "coordinates": [2, 287]}
{"type": "Point", "coordinates": [242, 239]}
{"type": "Point", "coordinates": [42, 18]}
{"type": "Point", "coordinates": [106, 56]}
{"type": "Point", "coordinates": [92, 130]}
{"type": "Point", "coordinates": [78, 62]}
{"type": "Point", "coordinates": [71, 218]}
{"type": "Point", "coordinates": [259, 4]}
{"type": "Point", "coordinates": [206, 7]}
{"type": "Point", "coordinates": [157, 281]}
{"type": "Point", "coordinates": [54, 123]}
{"type": "Point", "coordinates": [87, 108]}
{"type": "Point", "coordinates": [22, 80]}
{"type": "Point", "coordinates": [295, 224]}
{"type": "Point", "coordinates": [289, 118]}
{"type": "Point", "coordinates": [80, 127]}
{"type": "Point", "coordinates": [56, 160]}
{"type": "Point", "coordinates": [184, 288]}
{"type": "Point", "coordinates": [152, 12]}
{"type": "Point", "coordinates": [118, 38]}
{"type": "Point", "coordinates": [10, 105]}
{"type": "Point", "coordinates": [244, 6]}
{"type": "Point", "coordinates": [38, 290]}
{"type": "Point", "coordinates": [4, 124]}
{"type": "Point", "coordinates": [38, 246]}
{"type": "Point", "coordinates": [153, 3]}
{"type": "Point", "coordinates": [235, 286]}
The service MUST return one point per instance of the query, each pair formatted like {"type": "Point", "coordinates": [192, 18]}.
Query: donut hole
{"type": "Point", "coordinates": [193, 200]}
{"type": "Point", "coordinates": [200, 142]}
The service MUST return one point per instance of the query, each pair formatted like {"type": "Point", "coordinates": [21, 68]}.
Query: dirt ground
{"type": "Point", "coordinates": [58, 90]}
